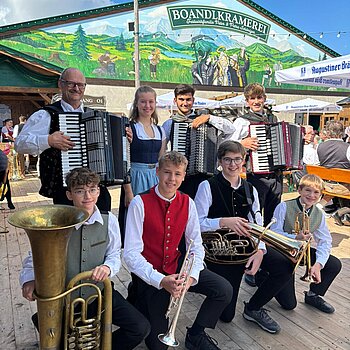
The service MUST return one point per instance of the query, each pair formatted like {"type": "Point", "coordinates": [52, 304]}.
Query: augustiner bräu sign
{"type": "Point", "coordinates": [205, 16]}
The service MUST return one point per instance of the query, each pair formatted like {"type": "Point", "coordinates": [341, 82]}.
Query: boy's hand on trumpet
{"type": "Point", "coordinates": [173, 285]}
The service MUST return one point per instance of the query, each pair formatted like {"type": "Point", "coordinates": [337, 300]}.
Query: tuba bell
{"type": "Point", "coordinates": [49, 228]}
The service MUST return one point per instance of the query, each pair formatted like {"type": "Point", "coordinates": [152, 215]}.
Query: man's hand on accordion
{"type": "Point", "coordinates": [60, 141]}
{"type": "Point", "coordinates": [237, 225]}
{"type": "Point", "coordinates": [250, 143]}
{"type": "Point", "coordinates": [202, 119]}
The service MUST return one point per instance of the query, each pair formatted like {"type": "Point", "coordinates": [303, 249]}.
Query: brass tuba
{"type": "Point", "coordinates": [49, 228]}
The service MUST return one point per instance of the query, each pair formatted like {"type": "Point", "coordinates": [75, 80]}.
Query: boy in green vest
{"type": "Point", "coordinates": [95, 246]}
{"type": "Point", "coordinates": [324, 267]}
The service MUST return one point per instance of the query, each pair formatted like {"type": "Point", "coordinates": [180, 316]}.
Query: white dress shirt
{"type": "Point", "coordinates": [34, 136]}
{"type": "Point", "coordinates": [321, 236]}
{"type": "Point", "coordinates": [204, 200]}
{"type": "Point", "coordinates": [133, 245]}
{"type": "Point", "coordinates": [113, 251]}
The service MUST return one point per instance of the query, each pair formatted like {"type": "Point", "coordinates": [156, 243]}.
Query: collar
{"type": "Point", "coordinates": [229, 183]}
{"type": "Point", "coordinates": [68, 108]}
{"type": "Point", "coordinates": [308, 211]}
{"type": "Point", "coordinates": [161, 197]}
{"type": "Point", "coordinates": [95, 217]}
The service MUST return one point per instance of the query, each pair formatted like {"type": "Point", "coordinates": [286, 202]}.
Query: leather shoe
{"type": "Point", "coordinates": [319, 303]}
{"type": "Point", "coordinates": [250, 280]}
{"type": "Point", "coordinates": [10, 205]}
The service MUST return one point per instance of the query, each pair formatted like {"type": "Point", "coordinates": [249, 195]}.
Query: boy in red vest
{"type": "Point", "coordinates": [157, 222]}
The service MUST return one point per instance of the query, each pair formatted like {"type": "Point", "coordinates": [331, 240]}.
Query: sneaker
{"type": "Point", "coordinates": [201, 341]}
{"type": "Point", "coordinates": [262, 319]}
{"type": "Point", "coordinates": [319, 303]}
{"type": "Point", "coordinates": [250, 280]}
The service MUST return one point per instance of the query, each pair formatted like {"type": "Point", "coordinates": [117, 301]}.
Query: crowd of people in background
{"type": "Point", "coordinates": [152, 209]}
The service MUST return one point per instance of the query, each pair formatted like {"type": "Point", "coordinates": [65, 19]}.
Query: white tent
{"type": "Point", "coordinates": [239, 101]}
{"type": "Point", "coordinates": [333, 73]}
{"type": "Point", "coordinates": [167, 101]}
{"type": "Point", "coordinates": [308, 105]}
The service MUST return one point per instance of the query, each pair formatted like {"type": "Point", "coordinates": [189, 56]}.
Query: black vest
{"type": "Point", "coordinates": [50, 160]}
{"type": "Point", "coordinates": [227, 201]}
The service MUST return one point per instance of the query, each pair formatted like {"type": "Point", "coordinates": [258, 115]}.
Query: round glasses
{"type": "Point", "coordinates": [229, 161]}
{"type": "Point", "coordinates": [91, 191]}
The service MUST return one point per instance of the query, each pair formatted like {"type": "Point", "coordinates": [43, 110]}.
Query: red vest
{"type": "Point", "coordinates": [163, 227]}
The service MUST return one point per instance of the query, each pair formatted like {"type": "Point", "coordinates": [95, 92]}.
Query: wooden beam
{"type": "Point", "coordinates": [20, 98]}
{"type": "Point", "coordinates": [29, 90]}
{"type": "Point", "coordinates": [35, 104]}
{"type": "Point", "coordinates": [45, 97]}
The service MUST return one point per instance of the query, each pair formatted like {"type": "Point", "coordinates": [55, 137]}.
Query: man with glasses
{"type": "Point", "coordinates": [226, 201]}
{"type": "Point", "coordinates": [41, 136]}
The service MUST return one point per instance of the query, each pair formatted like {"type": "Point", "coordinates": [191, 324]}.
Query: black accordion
{"type": "Point", "coordinates": [100, 145]}
{"type": "Point", "coordinates": [198, 145]}
{"type": "Point", "coordinates": [281, 147]}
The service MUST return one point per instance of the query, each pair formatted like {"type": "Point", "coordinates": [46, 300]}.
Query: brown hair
{"type": "Point", "coordinates": [254, 89]}
{"type": "Point", "coordinates": [311, 180]}
{"type": "Point", "coordinates": [230, 146]}
{"type": "Point", "coordinates": [81, 177]}
{"type": "Point", "coordinates": [134, 112]}
{"type": "Point", "coordinates": [184, 89]}
{"type": "Point", "coordinates": [173, 157]}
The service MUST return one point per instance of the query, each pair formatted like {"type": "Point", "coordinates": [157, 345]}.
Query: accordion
{"type": "Point", "coordinates": [100, 145]}
{"type": "Point", "coordinates": [198, 145]}
{"type": "Point", "coordinates": [281, 146]}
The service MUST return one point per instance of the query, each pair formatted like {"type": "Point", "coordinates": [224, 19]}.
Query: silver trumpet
{"type": "Point", "coordinates": [168, 338]}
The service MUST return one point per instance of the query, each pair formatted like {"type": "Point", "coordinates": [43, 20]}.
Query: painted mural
{"type": "Point", "coordinates": [197, 42]}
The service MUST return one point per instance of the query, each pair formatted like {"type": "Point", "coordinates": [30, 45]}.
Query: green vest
{"type": "Point", "coordinates": [294, 210]}
{"type": "Point", "coordinates": [86, 250]}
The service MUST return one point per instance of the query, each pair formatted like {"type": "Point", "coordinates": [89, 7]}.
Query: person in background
{"type": "Point", "coordinates": [5, 188]}
{"type": "Point", "coordinates": [324, 266]}
{"type": "Point", "coordinates": [7, 131]}
{"type": "Point", "coordinates": [103, 259]}
{"type": "Point", "coordinates": [41, 136]}
{"type": "Point", "coordinates": [148, 144]}
{"type": "Point", "coordinates": [167, 216]}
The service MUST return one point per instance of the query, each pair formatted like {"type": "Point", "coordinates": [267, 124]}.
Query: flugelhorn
{"type": "Point", "coordinates": [168, 338]}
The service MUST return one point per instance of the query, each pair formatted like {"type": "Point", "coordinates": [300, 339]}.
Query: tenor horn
{"type": "Point", "coordinates": [49, 228]}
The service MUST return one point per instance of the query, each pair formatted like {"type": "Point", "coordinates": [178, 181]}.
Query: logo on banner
{"type": "Point", "coordinates": [205, 16]}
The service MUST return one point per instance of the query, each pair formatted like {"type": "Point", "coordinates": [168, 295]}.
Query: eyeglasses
{"type": "Point", "coordinates": [73, 84]}
{"type": "Point", "coordinates": [229, 161]}
{"type": "Point", "coordinates": [91, 191]}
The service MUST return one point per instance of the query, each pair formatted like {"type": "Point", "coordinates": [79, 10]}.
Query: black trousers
{"type": "Point", "coordinates": [279, 270]}
{"type": "Point", "coordinates": [286, 296]}
{"type": "Point", "coordinates": [133, 326]}
{"type": "Point", "coordinates": [104, 202]}
{"type": "Point", "coordinates": [270, 188]}
{"type": "Point", "coordinates": [153, 303]}
{"type": "Point", "coordinates": [7, 186]}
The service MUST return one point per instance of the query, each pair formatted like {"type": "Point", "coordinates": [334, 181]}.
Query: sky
{"type": "Point", "coordinates": [314, 17]}
{"type": "Point", "coordinates": [309, 16]}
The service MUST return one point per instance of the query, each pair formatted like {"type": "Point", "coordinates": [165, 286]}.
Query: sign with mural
{"type": "Point", "coordinates": [196, 42]}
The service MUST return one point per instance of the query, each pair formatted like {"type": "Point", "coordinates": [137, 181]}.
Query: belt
{"type": "Point", "coordinates": [151, 166]}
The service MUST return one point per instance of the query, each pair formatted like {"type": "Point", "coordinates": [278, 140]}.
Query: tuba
{"type": "Point", "coordinates": [168, 338]}
{"type": "Point", "coordinates": [49, 228]}
{"type": "Point", "coordinates": [229, 248]}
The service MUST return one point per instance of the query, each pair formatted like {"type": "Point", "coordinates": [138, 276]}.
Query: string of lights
{"type": "Point", "coordinates": [304, 35]}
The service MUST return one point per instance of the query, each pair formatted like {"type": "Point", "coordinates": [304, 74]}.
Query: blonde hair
{"type": "Point", "coordinates": [173, 157]}
{"type": "Point", "coordinates": [311, 180]}
{"type": "Point", "coordinates": [134, 112]}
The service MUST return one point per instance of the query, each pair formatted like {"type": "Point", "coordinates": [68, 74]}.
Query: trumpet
{"type": "Point", "coordinates": [307, 277]}
{"type": "Point", "coordinates": [168, 338]}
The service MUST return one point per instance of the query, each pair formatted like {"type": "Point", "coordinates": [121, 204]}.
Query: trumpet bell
{"type": "Point", "coordinates": [168, 339]}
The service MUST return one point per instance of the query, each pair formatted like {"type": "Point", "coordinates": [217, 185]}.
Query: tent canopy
{"type": "Point", "coordinates": [239, 101]}
{"type": "Point", "coordinates": [334, 73]}
{"type": "Point", "coordinates": [308, 105]}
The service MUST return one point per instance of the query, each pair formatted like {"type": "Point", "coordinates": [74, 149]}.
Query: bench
{"type": "Point", "coordinates": [331, 174]}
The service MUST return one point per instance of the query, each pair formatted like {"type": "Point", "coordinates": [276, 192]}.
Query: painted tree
{"type": "Point", "coordinates": [62, 48]}
{"type": "Point", "coordinates": [79, 46]}
{"type": "Point", "coordinates": [120, 43]}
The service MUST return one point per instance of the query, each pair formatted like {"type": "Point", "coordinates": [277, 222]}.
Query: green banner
{"type": "Point", "coordinates": [205, 16]}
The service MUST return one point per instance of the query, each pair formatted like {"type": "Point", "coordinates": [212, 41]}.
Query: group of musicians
{"type": "Point", "coordinates": [163, 223]}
